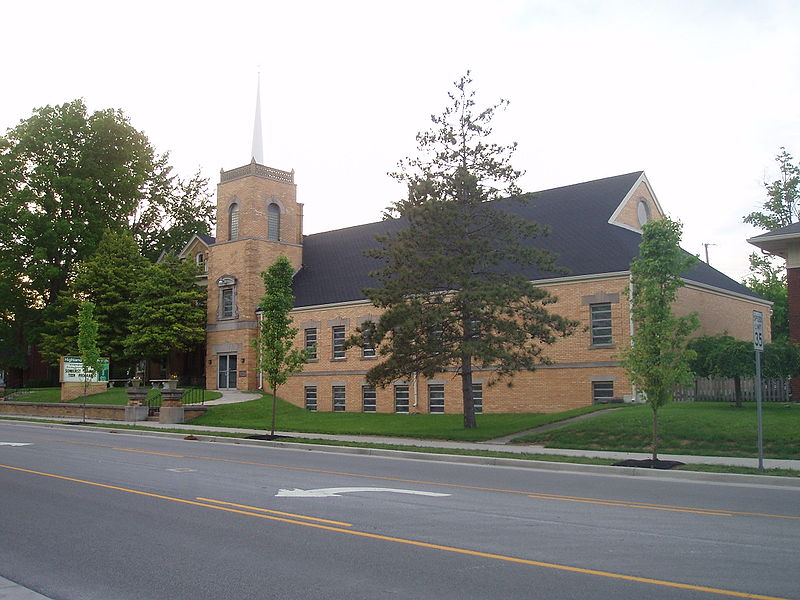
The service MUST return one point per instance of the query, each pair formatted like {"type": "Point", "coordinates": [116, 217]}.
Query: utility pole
{"type": "Point", "coordinates": [706, 245]}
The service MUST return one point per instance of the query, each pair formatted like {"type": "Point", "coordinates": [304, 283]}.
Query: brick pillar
{"type": "Point", "coordinates": [171, 408]}
{"type": "Point", "coordinates": [137, 409]}
{"type": "Point", "coordinates": [793, 281]}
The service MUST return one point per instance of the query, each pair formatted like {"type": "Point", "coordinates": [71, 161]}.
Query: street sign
{"type": "Point", "coordinates": [758, 330]}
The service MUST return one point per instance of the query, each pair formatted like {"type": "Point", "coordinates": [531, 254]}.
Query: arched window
{"type": "Point", "coordinates": [233, 222]}
{"type": "Point", "coordinates": [273, 223]}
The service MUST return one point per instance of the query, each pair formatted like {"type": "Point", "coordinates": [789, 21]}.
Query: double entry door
{"type": "Point", "coordinates": [227, 372]}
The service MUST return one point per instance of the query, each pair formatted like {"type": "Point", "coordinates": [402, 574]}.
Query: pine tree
{"type": "Point", "coordinates": [449, 300]}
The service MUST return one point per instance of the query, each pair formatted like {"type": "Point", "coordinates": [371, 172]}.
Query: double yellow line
{"type": "Point", "coordinates": [339, 527]}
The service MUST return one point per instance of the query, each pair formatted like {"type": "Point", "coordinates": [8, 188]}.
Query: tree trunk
{"type": "Point", "coordinates": [274, 405]}
{"type": "Point", "coordinates": [737, 386]}
{"type": "Point", "coordinates": [655, 436]}
{"type": "Point", "coordinates": [466, 392]}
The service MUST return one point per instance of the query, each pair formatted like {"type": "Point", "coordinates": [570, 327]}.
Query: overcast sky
{"type": "Point", "coordinates": [698, 94]}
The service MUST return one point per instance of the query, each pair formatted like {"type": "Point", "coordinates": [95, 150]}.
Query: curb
{"type": "Point", "coordinates": [518, 463]}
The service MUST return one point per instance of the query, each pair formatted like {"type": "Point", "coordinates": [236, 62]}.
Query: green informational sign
{"type": "Point", "coordinates": [73, 370]}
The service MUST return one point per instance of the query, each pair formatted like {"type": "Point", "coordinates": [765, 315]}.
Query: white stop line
{"type": "Point", "coordinates": [15, 444]}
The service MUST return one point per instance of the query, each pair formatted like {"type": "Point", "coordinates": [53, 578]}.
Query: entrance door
{"type": "Point", "coordinates": [227, 372]}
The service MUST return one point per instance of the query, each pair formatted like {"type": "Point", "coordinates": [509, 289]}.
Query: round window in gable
{"type": "Point", "coordinates": [643, 211]}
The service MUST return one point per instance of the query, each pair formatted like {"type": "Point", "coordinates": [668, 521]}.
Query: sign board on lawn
{"type": "Point", "coordinates": [72, 370]}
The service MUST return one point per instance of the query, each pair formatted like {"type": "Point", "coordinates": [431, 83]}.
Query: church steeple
{"type": "Point", "coordinates": [258, 145]}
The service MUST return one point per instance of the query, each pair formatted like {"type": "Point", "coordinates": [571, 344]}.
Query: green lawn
{"type": "Point", "coordinates": [703, 428]}
{"type": "Point", "coordinates": [116, 396]}
{"type": "Point", "coordinates": [257, 414]}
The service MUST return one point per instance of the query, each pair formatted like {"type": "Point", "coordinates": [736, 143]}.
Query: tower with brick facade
{"type": "Point", "coordinates": [258, 219]}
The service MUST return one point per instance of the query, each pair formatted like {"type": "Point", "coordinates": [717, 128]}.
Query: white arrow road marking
{"type": "Point", "coordinates": [15, 444]}
{"type": "Point", "coordinates": [330, 492]}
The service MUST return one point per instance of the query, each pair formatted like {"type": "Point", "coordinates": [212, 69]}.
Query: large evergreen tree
{"type": "Point", "coordinates": [168, 312]}
{"type": "Point", "coordinates": [449, 300]}
{"type": "Point", "coordinates": [109, 278]}
{"type": "Point", "coordinates": [657, 359]}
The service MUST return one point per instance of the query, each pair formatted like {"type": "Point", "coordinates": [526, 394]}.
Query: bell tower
{"type": "Point", "coordinates": [258, 219]}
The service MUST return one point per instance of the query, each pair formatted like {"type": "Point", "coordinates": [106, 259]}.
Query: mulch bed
{"type": "Point", "coordinates": [649, 463]}
{"type": "Point", "coordinates": [263, 436]}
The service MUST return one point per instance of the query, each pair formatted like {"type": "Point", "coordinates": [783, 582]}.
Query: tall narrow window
{"type": "Point", "coordinates": [338, 398]}
{"type": "Point", "coordinates": [369, 398]}
{"type": "Point", "coordinates": [200, 260]}
{"type": "Point", "coordinates": [338, 341]}
{"type": "Point", "coordinates": [477, 397]}
{"type": "Point", "coordinates": [311, 398]}
{"type": "Point", "coordinates": [233, 222]}
{"type": "Point", "coordinates": [311, 342]}
{"type": "Point", "coordinates": [273, 223]}
{"type": "Point", "coordinates": [601, 323]}
{"type": "Point", "coordinates": [226, 312]}
{"type": "Point", "coordinates": [367, 347]}
{"type": "Point", "coordinates": [435, 398]}
{"type": "Point", "coordinates": [401, 398]}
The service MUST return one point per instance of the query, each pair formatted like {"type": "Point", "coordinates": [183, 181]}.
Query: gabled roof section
{"type": "Point", "coordinates": [628, 212]}
{"type": "Point", "coordinates": [582, 237]}
{"type": "Point", "coordinates": [198, 238]}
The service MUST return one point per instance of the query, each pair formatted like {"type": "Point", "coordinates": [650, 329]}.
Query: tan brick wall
{"type": "Point", "coordinates": [722, 313]}
{"type": "Point", "coordinates": [71, 390]}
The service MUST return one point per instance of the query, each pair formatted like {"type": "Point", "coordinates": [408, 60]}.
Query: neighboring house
{"type": "Point", "coordinates": [595, 234]}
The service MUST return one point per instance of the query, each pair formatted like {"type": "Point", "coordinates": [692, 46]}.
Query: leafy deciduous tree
{"type": "Point", "coordinates": [657, 359]}
{"type": "Point", "coordinates": [449, 299]}
{"type": "Point", "coordinates": [277, 357]}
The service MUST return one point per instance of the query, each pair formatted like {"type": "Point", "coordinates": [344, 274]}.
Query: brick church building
{"type": "Point", "coordinates": [595, 234]}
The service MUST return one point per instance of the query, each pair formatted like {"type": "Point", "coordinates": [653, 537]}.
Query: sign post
{"type": "Point", "coordinates": [758, 346]}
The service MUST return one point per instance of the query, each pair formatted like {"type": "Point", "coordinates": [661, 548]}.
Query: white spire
{"type": "Point", "coordinates": [258, 145]}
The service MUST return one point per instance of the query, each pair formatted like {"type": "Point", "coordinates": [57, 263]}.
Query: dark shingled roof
{"type": "Point", "coordinates": [209, 240]}
{"type": "Point", "coordinates": [336, 270]}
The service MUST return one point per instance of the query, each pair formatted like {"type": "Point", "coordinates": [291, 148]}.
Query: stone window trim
{"type": "Point", "coordinates": [338, 321]}
{"type": "Point", "coordinates": [227, 286]}
{"type": "Point", "coordinates": [309, 325]}
{"type": "Point", "coordinates": [600, 298]}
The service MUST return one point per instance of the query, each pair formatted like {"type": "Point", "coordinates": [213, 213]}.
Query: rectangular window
{"type": "Point", "coordinates": [601, 323]}
{"type": "Point", "coordinates": [338, 341]}
{"type": "Point", "coordinates": [311, 342]}
{"type": "Point", "coordinates": [227, 303]}
{"type": "Point", "coordinates": [477, 397]}
{"type": "Point", "coordinates": [602, 392]}
{"type": "Point", "coordinates": [436, 398]}
{"type": "Point", "coordinates": [311, 398]}
{"type": "Point", "coordinates": [401, 399]}
{"type": "Point", "coordinates": [369, 398]}
{"type": "Point", "coordinates": [367, 347]}
{"type": "Point", "coordinates": [338, 398]}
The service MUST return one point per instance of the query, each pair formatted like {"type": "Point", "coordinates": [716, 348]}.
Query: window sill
{"type": "Point", "coordinates": [369, 358]}
{"type": "Point", "coordinates": [601, 346]}
{"type": "Point", "coordinates": [338, 358]}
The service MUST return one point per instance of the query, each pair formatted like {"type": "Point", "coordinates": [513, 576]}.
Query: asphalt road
{"type": "Point", "coordinates": [92, 515]}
